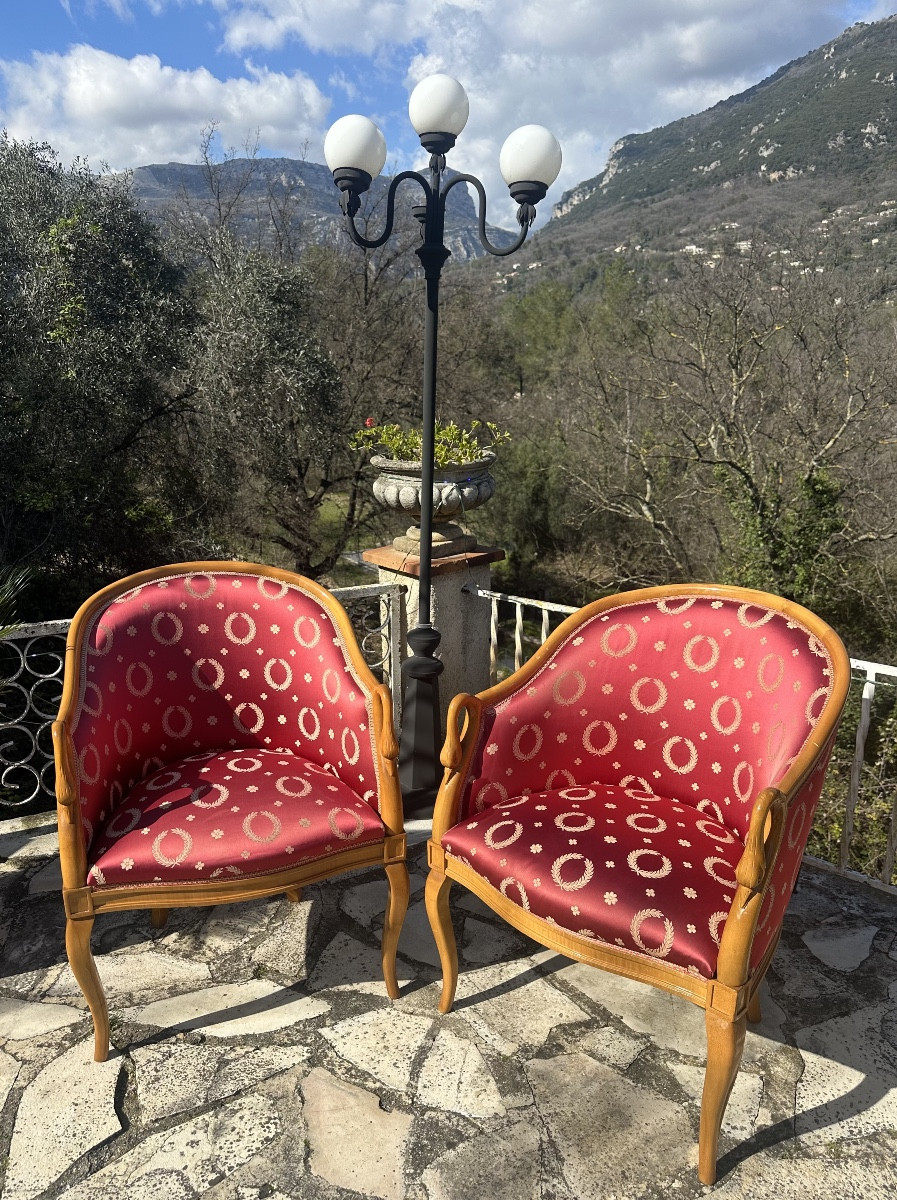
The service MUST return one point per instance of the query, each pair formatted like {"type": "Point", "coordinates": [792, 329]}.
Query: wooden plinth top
{"type": "Point", "coordinates": [390, 559]}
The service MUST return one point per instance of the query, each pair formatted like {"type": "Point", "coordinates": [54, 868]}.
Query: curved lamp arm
{"type": "Point", "coordinates": [350, 204]}
{"type": "Point", "coordinates": [526, 214]}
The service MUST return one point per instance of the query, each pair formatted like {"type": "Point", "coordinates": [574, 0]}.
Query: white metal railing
{"type": "Point", "coordinates": [381, 631]}
{"type": "Point", "coordinates": [545, 607]}
{"type": "Point", "coordinates": [872, 673]}
{"type": "Point", "coordinates": [32, 658]}
{"type": "Point", "coordinates": [868, 673]}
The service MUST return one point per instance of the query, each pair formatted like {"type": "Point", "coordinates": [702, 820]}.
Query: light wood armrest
{"type": "Point", "coordinates": [455, 758]}
{"type": "Point", "coordinates": [753, 874]}
{"type": "Point", "coordinates": [66, 766]}
{"type": "Point", "coordinates": [762, 843]}
{"type": "Point", "coordinates": [386, 735]}
{"type": "Point", "coordinates": [72, 846]}
{"type": "Point", "coordinates": [387, 751]}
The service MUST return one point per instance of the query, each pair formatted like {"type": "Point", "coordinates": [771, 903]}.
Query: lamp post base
{"type": "Point", "coordinates": [464, 620]}
{"type": "Point", "coordinates": [420, 771]}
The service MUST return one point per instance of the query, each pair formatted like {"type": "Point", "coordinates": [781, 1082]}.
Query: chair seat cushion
{"type": "Point", "coordinates": [228, 815]}
{"type": "Point", "coordinates": [641, 872]}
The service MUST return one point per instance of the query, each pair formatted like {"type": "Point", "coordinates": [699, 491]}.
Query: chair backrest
{"type": "Point", "coordinates": [178, 662]}
{"type": "Point", "coordinates": [701, 695]}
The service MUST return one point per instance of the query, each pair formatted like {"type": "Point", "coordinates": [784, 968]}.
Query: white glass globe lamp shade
{"type": "Point", "coordinates": [530, 154]}
{"type": "Point", "coordinates": [438, 105]}
{"type": "Point", "coordinates": [355, 143]}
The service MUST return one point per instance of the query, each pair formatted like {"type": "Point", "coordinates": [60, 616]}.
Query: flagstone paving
{"type": "Point", "coordinates": [257, 1057]}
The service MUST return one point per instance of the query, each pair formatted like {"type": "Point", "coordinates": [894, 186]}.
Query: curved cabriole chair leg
{"type": "Point", "coordinates": [81, 960]}
{"type": "Point", "coordinates": [294, 894]}
{"type": "Point", "coordinates": [725, 1043]}
{"type": "Point", "coordinates": [437, 902]}
{"type": "Point", "coordinates": [158, 917]}
{"type": "Point", "coordinates": [396, 907]}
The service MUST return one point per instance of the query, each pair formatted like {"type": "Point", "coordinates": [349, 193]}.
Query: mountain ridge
{"type": "Point", "coordinates": [262, 183]}
{"type": "Point", "coordinates": [816, 134]}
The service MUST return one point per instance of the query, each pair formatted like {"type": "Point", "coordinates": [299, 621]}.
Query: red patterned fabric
{"type": "Point", "coordinates": [223, 661]}
{"type": "Point", "coordinates": [639, 871]}
{"type": "Point", "coordinates": [700, 699]}
{"type": "Point", "coordinates": [231, 815]}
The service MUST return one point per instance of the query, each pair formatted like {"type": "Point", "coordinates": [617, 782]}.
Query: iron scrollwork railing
{"type": "Point", "coordinates": [31, 668]}
{"type": "Point", "coordinates": [380, 629]}
{"type": "Point", "coordinates": [31, 664]}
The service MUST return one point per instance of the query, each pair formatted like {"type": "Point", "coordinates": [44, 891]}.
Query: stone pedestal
{"type": "Point", "coordinates": [462, 619]}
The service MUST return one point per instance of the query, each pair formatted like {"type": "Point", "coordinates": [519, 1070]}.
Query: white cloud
{"type": "Point", "coordinates": [119, 7]}
{"type": "Point", "coordinates": [362, 25]}
{"type": "Point", "coordinates": [339, 81]}
{"type": "Point", "coordinates": [129, 112]}
{"type": "Point", "coordinates": [591, 70]}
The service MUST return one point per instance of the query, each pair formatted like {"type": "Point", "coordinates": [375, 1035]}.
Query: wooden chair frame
{"type": "Point", "coordinates": [83, 903]}
{"type": "Point", "coordinates": [730, 999]}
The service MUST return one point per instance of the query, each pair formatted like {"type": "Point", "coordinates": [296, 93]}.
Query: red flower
{"type": "Point", "coordinates": [369, 423]}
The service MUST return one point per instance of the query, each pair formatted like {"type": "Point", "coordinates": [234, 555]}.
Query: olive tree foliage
{"type": "Point", "coordinates": [273, 424]}
{"type": "Point", "coordinates": [192, 392]}
{"type": "Point", "coordinates": [94, 324]}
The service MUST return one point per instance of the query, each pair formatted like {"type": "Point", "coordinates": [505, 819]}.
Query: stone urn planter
{"type": "Point", "coordinates": [457, 488]}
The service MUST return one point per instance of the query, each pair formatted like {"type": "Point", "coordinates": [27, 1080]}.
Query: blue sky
{"type": "Point", "coordinates": [129, 82]}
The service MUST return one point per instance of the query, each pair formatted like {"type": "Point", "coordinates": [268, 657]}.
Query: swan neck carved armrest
{"type": "Point", "coordinates": [67, 791]}
{"type": "Point", "coordinates": [762, 842]}
{"type": "Point", "coordinates": [72, 845]}
{"type": "Point", "coordinates": [463, 722]}
{"type": "Point", "coordinates": [753, 873]}
{"type": "Point", "coordinates": [387, 744]}
{"type": "Point", "coordinates": [388, 751]}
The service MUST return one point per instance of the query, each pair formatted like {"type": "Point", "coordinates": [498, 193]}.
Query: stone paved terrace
{"type": "Point", "coordinates": [257, 1056]}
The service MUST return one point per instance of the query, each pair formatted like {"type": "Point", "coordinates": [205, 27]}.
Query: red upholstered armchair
{"type": "Point", "coordinates": [220, 737]}
{"type": "Point", "coordinates": [638, 796]}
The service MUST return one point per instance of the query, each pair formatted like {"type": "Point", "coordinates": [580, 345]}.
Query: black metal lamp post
{"type": "Point", "coordinates": [530, 160]}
